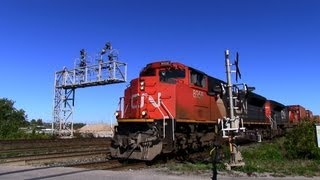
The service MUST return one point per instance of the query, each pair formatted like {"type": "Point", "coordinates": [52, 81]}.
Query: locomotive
{"type": "Point", "coordinates": [174, 108]}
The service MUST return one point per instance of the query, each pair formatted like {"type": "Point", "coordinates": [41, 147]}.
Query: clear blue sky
{"type": "Point", "coordinates": [278, 42]}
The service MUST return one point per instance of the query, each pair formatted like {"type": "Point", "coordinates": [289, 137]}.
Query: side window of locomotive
{"type": "Point", "coordinates": [198, 79]}
{"type": "Point", "coordinates": [169, 75]}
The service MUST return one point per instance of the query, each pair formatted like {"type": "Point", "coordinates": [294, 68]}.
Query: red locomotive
{"type": "Point", "coordinates": [171, 107]}
{"type": "Point", "coordinates": [296, 113]}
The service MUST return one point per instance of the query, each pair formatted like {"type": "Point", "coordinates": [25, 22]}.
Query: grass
{"type": "Point", "coordinates": [284, 167]}
{"type": "Point", "coordinates": [270, 157]}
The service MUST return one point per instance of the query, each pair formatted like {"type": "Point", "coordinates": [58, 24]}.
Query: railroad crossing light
{"type": "Point", "coordinates": [220, 89]}
{"type": "Point", "coordinates": [249, 89]}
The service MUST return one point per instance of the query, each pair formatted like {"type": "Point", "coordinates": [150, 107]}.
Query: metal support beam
{"type": "Point", "coordinates": [63, 111]}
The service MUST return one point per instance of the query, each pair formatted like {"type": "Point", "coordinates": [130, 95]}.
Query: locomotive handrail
{"type": "Point", "coordinates": [164, 117]}
{"type": "Point", "coordinates": [172, 118]}
{"type": "Point", "coordinates": [125, 110]}
{"type": "Point", "coordinates": [273, 122]}
{"type": "Point", "coordinates": [151, 100]}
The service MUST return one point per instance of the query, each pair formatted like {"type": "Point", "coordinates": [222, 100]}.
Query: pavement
{"type": "Point", "coordinates": [66, 173]}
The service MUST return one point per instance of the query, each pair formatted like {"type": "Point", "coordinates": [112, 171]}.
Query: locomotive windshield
{"type": "Point", "coordinates": [168, 75]}
{"type": "Point", "coordinates": [148, 71]}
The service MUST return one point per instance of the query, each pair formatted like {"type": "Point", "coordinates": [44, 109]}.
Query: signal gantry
{"type": "Point", "coordinates": [106, 70]}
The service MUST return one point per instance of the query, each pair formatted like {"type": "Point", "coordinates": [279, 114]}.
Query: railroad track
{"type": "Point", "coordinates": [6, 145]}
{"type": "Point", "coordinates": [83, 153]}
{"type": "Point", "coordinates": [53, 152]}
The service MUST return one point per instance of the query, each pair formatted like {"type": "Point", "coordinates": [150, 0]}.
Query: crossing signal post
{"type": "Point", "coordinates": [232, 125]}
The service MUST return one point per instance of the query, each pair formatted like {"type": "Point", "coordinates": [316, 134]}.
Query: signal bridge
{"type": "Point", "coordinates": [107, 70]}
{"type": "Point", "coordinates": [98, 74]}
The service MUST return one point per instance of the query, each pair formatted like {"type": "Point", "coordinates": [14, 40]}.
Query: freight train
{"type": "Point", "coordinates": [174, 108]}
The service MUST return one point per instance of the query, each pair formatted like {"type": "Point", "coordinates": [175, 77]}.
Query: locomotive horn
{"type": "Point", "coordinates": [238, 73]}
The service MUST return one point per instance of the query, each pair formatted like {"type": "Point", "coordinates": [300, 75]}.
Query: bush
{"type": "Point", "coordinates": [300, 143]}
{"type": "Point", "coordinates": [265, 152]}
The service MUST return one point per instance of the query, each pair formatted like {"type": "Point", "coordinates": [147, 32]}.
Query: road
{"type": "Point", "coordinates": [63, 173]}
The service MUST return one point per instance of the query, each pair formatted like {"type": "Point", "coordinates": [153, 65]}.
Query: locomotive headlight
{"type": "Point", "coordinates": [144, 113]}
{"type": "Point", "coordinates": [142, 83]}
{"type": "Point", "coordinates": [116, 114]}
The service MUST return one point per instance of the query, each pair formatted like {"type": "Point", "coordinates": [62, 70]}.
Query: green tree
{"type": "Point", "coordinates": [36, 125]}
{"type": "Point", "coordinates": [39, 122]}
{"type": "Point", "coordinates": [11, 119]}
{"type": "Point", "coordinates": [33, 122]}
